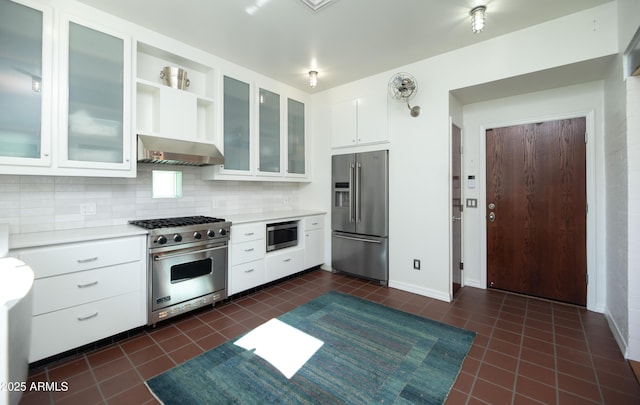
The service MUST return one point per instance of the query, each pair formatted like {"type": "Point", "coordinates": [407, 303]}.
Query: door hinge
{"type": "Point", "coordinates": [461, 266]}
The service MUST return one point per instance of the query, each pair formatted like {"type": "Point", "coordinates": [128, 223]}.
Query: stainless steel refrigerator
{"type": "Point", "coordinates": [360, 214]}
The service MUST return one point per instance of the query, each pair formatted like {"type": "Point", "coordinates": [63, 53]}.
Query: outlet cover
{"type": "Point", "coordinates": [416, 264]}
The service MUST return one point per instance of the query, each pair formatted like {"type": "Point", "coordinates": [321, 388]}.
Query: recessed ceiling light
{"type": "Point", "coordinates": [316, 4]}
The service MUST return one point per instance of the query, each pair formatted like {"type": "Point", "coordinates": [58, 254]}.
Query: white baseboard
{"type": "Point", "coordinates": [427, 292]}
{"type": "Point", "coordinates": [617, 335]}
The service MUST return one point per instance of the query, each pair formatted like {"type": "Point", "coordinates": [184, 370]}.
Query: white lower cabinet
{"type": "Point", "coordinates": [313, 241]}
{"type": "Point", "coordinates": [58, 331]}
{"type": "Point", "coordinates": [246, 275]}
{"type": "Point", "coordinates": [284, 263]}
{"type": "Point", "coordinates": [85, 291]}
{"type": "Point", "coordinates": [251, 266]}
{"type": "Point", "coordinates": [247, 247]}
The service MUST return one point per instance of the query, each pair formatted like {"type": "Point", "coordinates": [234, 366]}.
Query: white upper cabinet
{"type": "Point", "coordinates": [296, 150]}
{"type": "Point", "coordinates": [269, 133]}
{"type": "Point", "coordinates": [74, 71]}
{"type": "Point", "coordinates": [95, 89]}
{"type": "Point", "coordinates": [263, 134]}
{"type": "Point", "coordinates": [236, 127]}
{"type": "Point", "coordinates": [359, 122]}
{"type": "Point", "coordinates": [26, 86]}
{"type": "Point", "coordinates": [168, 109]}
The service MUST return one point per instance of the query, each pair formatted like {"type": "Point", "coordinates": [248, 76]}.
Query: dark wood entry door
{"type": "Point", "coordinates": [537, 210]}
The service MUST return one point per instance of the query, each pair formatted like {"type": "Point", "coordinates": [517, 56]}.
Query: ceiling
{"type": "Point", "coordinates": [344, 41]}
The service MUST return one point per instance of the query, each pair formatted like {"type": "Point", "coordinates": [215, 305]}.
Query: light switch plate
{"type": "Point", "coordinates": [472, 203]}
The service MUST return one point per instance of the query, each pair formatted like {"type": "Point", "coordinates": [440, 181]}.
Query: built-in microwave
{"type": "Point", "coordinates": [281, 235]}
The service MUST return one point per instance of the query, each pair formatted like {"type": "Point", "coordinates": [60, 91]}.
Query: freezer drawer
{"type": "Point", "coordinates": [360, 255]}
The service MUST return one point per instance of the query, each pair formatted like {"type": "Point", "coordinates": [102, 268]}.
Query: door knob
{"type": "Point", "coordinates": [454, 218]}
{"type": "Point", "coordinates": [492, 217]}
{"type": "Point", "coordinates": [492, 206]}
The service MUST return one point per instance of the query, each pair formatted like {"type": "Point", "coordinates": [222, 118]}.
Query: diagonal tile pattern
{"type": "Point", "coordinates": [527, 350]}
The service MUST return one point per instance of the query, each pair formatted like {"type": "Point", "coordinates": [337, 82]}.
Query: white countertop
{"type": "Point", "coordinates": [35, 239]}
{"type": "Point", "coordinates": [270, 216]}
{"type": "Point", "coordinates": [27, 240]}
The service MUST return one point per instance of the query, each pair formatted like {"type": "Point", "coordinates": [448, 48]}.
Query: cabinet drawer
{"type": "Point", "coordinates": [63, 330]}
{"type": "Point", "coordinates": [314, 222]}
{"type": "Point", "coordinates": [284, 264]}
{"type": "Point", "coordinates": [247, 251]}
{"type": "Point", "coordinates": [73, 257]}
{"type": "Point", "coordinates": [247, 232]}
{"type": "Point", "coordinates": [245, 276]}
{"type": "Point", "coordinates": [68, 290]}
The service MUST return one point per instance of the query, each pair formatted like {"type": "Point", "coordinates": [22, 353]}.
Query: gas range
{"type": "Point", "coordinates": [165, 232]}
{"type": "Point", "coordinates": [187, 266]}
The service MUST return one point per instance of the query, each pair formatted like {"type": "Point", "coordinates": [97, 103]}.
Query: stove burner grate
{"type": "Point", "coordinates": [174, 222]}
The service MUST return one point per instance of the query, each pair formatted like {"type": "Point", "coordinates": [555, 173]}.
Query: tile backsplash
{"type": "Point", "coordinates": [44, 203]}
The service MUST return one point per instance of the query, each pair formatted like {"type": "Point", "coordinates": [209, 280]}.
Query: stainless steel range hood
{"type": "Point", "coordinates": [154, 149]}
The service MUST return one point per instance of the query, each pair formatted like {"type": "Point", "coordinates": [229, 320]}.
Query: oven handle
{"type": "Point", "coordinates": [171, 255]}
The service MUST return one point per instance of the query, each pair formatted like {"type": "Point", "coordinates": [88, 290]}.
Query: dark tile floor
{"type": "Point", "coordinates": [527, 351]}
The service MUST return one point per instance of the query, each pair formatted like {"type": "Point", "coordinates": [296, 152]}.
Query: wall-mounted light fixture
{"type": "Point", "coordinates": [313, 78]}
{"type": "Point", "coordinates": [478, 17]}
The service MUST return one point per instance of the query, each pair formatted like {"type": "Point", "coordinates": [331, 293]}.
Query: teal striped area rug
{"type": "Point", "coordinates": [371, 354]}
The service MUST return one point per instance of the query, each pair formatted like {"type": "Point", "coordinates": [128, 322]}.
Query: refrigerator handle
{"type": "Point", "coordinates": [357, 202]}
{"type": "Point", "coordinates": [351, 186]}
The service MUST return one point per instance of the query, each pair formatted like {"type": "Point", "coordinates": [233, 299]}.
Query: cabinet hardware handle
{"type": "Point", "coordinates": [88, 284]}
{"type": "Point", "coordinates": [86, 317]}
{"type": "Point", "coordinates": [249, 271]}
{"type": "Point", "coordinates": [249, 233]}
{"type": "Point", "coordinates": [91, 259]}
{"type": "Point", "coordinates": [249, 250]}
{"type": "Point", "coordinates": [314, 223]}
{"type": "Point", "coordinates": [286, 260]}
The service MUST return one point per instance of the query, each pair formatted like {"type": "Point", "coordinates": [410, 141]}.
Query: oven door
{"type": "Point", "coordinates": [183, 274]}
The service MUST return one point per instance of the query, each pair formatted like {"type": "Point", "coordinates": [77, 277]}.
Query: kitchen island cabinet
{"type": "Point", "coordinates": [85, 291]}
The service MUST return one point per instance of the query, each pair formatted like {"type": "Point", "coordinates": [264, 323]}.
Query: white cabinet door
{"type": "Point", "coordinates": [360, 122]}
{"type": "Point", "coordinates": [95, 93]}
{"type": "Point", "coordinates": [269, 133]}
{"type": "Point", "coordinates": [296, 150]}
{"type": "Point", "coordinates": [344, 124]}
{"type": "Point", "coordinates": [283, 263]}
{"type": "Point", "coordinates": [313, 248]}
{"type": "Point", "coordinates": [25, 68]}
{"type": "Point", "coordinates": [236, 136]}
{"type": "Point", "coordinates": [372, 119]}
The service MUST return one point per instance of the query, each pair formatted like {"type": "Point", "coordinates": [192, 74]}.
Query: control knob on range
{"type": "Point", "coordinates": [161, 240]}
{"type": "Point", "coordinates": [211, 233]}
{"type": "Point", "coordinates": [223, 232]}
{"type": "Point", "coordinates": [197, 235]}
{"type": "Point", "coordinates": [177, 237]}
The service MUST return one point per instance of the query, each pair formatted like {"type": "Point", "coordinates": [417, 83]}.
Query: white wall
{"type": "Point", "coordinates": [633, 158]}
{"type": "Point", "coordinates": [419, 149]}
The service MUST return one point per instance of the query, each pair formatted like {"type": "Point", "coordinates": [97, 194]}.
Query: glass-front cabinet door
{"type": "Point", "coordinates": [295, 138]}
{"type": "Point", "coordinates": [268, 132]}
{"type": "Point", "coordinates": [236, 126]}
{"type": "Point", "coordinates": [25, 83]}
{"type": "Point", "coordinates": [95, 130]}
